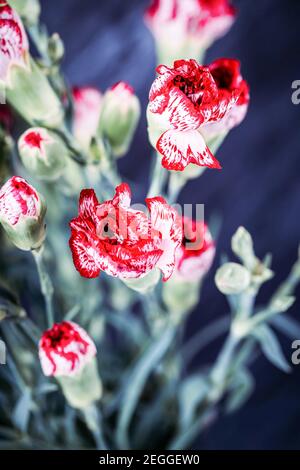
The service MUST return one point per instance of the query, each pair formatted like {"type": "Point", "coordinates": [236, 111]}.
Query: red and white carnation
{"type": "Point", "coordinates": [18, 201]}
{"type": "Point", "coordinates": [13, 41]}
{"type": "Point", "coordinates": [186, 27]}
{"type": "Point", "coordinates": [196, 253]}
{"type": "Point", "coordinates": [87, 110]}
{"type": "Point", "coordinates": [123, 242]}
{"type": "Point", "coordinates": [65, 349]}
{"type": "Point", "coordinates": [187, 98]}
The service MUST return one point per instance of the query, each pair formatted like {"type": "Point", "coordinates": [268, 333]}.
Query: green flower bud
{"type": "Point", "coordinates": [56, 48]}
{"type": "Point", "coordinates": [30, 93]}
{"type": "Point", "coordinates": [22, 213]}
{"type": "Point", "coordinates": [119, 117]}
{"type": "Point", "coordinates": [232, 278]}
{"type": "Point", "coordinates": [242, 246]}
{"type": "Point", "coordinates": [42, 153]}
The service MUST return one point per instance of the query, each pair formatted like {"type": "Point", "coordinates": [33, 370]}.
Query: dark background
{"type": "Point", "coordinates": [106, 41]}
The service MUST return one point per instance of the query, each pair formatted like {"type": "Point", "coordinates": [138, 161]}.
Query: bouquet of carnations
{"type": "Point", "coordinates": [94, 297]}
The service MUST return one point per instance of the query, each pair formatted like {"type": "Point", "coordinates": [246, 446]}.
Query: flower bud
{"type": "Point", "coordinates": [242, 246]}
{"type": "Point", "coordinates": [22, 212]}
{"type": "Point", "coordinates": [42, 153]}
{"type": "Point", "coordinates": [68, 353]}
{"type": "Point", "coordinates": [87, 109]}
{"type": "Point", "coordinates": [119, 117]}
{"type": "Point", "coordinates": [56, 48]}
{"type": "Point", "coordinates": [30, 93]}
{"type": "Point", "coordinates": [232, 278]}
{"type": "Point", "coordinates": [29, 10]}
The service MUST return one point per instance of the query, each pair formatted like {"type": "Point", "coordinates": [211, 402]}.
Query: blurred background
{"type": "Point", "coordinates": [258, 186]}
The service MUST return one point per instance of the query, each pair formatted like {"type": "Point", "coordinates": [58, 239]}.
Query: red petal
{"type": "Point", "coordinates": [181, 148]}
{"type": "Point", "coordinates": [85, 257]}
{"type": "Point", "coordinates": [182, 113]}
{"type": "Point", "coordinates": [122, 197]}
{"type": "Point", "coordinates": [88, 203]}
{"type": "Point", "coordinates": [164, 219]}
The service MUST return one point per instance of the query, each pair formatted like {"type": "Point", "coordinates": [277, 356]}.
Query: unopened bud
{"type": "Point", "coordinates": [42, 153]}
{"type": "Point", "coordinates": [22, 213]}
{"type": "Point", "coordinates": [119, 117]}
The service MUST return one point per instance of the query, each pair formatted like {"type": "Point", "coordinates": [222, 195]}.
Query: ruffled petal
{"type": "Point", "coordinates": [181, 148]}
{"type": "Point", "coordinates": [87, 203]}
{"type": "Point", "coordinates": [164, 219]}
{"type": "Point", "coordinates": [122, 197]}
{"type": "Point", "coordinates": [181, 111]}
{"type": "Point", "coordinates": [158, 95]}
{"type": "Point", "coordinates": [86, 257]}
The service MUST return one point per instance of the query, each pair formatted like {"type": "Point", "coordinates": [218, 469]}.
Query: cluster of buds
{"type": "Point", "coordinates": [112, 117]}
{"type": "Point", "coordinates": [68, 353]}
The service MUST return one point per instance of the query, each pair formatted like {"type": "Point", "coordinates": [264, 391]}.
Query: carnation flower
{"type": "Point", "coordinates": [185, 28]}
{"type": "Point", "coordinates": [22, 213]}
{"type": "Point", "coordinates": [87, 109]}
{"type": "Point", "coordinates": [65, 349]}
{"type": "Point", "coordinates": [197, 251]}
{"type": "Point", "coordinates": [184, 100]}
{"type": "Point", "coordinates": [121, 241]}
{"type": "Point", "coordinates": [13, 41]}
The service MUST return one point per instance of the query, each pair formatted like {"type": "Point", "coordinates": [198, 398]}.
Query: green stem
{"type": "Point", "coordinates": [158, 178]}
{"type": "Point", "coordinates": [93, 421]}
{"type": "Point", "coordinates": [220, 370]}
{"type": "Point", "coordinates": [46, 284]}
{"type": "Point", "coordinates": [176, 183]}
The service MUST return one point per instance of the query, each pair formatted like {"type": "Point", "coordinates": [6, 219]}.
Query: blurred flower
{"type": "Point", "coordinates": [119, 117]}
{"type": "Point", "coordinates": [68, 353]}
{"type": "Point", "coordinates": [194, 258]}
{"type": "Point", "coordinates": [22, 212]}
{"type": "Point", "coordinates": [26, 87]}
{"type": "Point", "coordinates": [65, 349]}
{"type": "Point", "coordinates": [43, 154]}
{"type": "Point", "coordinates": [123, 242]}
{"type": "Point", "coordinates": [197, 251]}
{"type": "Point", "coordinates": [186, 28]}
{"type": "Point", "coordinates": [184, 100]}
{"type": "Point", "coordinates": [13, 43]}
{"type": "Point", "coordinates": [87, 109]}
